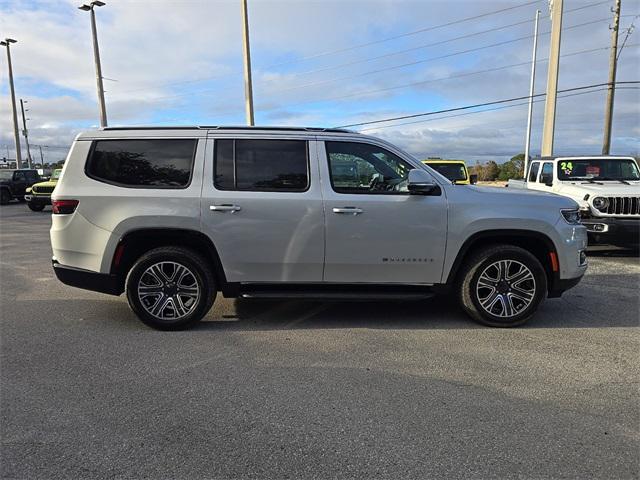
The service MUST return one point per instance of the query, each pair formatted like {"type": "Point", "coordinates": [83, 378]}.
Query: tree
{"type": "Point", "coordinates": [514, 168]}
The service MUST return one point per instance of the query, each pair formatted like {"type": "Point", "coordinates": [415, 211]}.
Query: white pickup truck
{"type": "Point", "coordinates": [607, 188]}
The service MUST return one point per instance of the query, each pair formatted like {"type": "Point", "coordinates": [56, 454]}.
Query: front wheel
{"type": "Point", "coordinates": [171, 288]}
{"type": "Point", "coordinates": [35, 207]}
{"type": "Point", "coordinates": [502, 286]}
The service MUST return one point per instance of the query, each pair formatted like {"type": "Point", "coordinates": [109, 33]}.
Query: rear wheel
{"type": "Point", "coordinates": [5, 196]}
{"type": "Point", "coordinates": [36, 207]}
{"type": "Point", "coordinates": [502, 286]}
{"type": "Point", "coordinates": [171, 288]}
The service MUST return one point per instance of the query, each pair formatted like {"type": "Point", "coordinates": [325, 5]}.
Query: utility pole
{"type": "Point", "coordinates": [96, 57]}
{"type": "Point", "coordinates": [556, 9]}
{"type": "Point", "coordinates": [248, 87]}
{"type": "Point", "coordinates": [16, 137]}
{"type": "Point", "coordinates": [527, 145]}
{"type": "Point", "coordinates": [41, 156]}
{"type": "Point", "coordinates": [613, 65]}
{"type": "Point", "coordinates": [25, 132]}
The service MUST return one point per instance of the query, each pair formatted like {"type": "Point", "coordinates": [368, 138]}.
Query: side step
{"type": "Point", "coordinates": [337, 292]}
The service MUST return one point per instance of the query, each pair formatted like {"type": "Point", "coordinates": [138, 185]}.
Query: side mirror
{"type": "Point", "coordinates": [473, 179]}
{"type": "Point", "coordinates": [421, 183]}
{"type": "Point", "coordinates": [547, 179]}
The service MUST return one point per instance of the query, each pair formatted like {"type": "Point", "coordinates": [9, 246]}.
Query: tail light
{"type": "Point", "coordinates": [64, 207]}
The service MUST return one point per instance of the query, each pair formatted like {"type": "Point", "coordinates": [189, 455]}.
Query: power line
{"type": "Point", "coordinates": [417, 62]}
{"type": "Point", "coordinates": [492, 109]}
{"type": "Point", "coordinates": [506, 42]}
{"type": "Point", "coordinates": [431, 80]}
{"type": "Point", "coordinates": [441, 42]}
{"type": "Point", "coordinates": [478, 105]}
{"type": "Point", "coordinates": [354, 47]}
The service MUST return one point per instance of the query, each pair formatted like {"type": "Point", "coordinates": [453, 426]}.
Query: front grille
{"type": "Point", "coordinates": [42, 189]}
{"type": "Point", "coordinates": [623, 206]}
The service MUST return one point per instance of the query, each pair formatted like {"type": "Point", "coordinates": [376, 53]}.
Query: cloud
{"type": "Point", "coordinates": [181, 62]}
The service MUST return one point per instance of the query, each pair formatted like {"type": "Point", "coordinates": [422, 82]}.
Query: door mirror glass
{"type": "Point", "coordinates": [547, 179]}
{"type": "Point", "coordinates": [421, 183]}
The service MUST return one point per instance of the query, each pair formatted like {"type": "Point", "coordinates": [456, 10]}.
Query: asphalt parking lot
{"type": "Point", "coordinates": [313, 390]}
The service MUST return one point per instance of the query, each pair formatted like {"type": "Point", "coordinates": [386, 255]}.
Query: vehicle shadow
{"type": "Point", "coordinates": [441, 312]}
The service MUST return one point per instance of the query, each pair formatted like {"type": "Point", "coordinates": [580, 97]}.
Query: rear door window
{"type": "Point", "coordinates": [143, 163]}
{"type": "Point", "coordinates": [261, 165]}
{"type": "Point", "coordinates": [547, 172]}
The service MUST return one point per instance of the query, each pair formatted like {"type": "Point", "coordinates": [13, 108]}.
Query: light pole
{"type": "Point", "coordinates": [89, 7]}
{"type": "Point", "coordinates": [527, 145]}
{"type": "Point", "coordinates": [6, 43]}
{"type": "Point", "coordinates": [25, 132]}
{"type": "Point", "coordinates": [548, 128]}
{"type": "Point", "coordinates": [248, 86]}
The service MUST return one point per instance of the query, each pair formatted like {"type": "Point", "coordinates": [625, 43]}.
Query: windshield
{"type": "Point", "coordinates": [453, 171]}
{"type": "Point", "coordinates": [56, 174]}
{"type": "Point", "coordinates": [6, 174]}
{"type": "Point", "coordinates": [598, 169]}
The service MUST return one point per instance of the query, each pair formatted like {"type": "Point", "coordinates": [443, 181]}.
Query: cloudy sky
{"type": "Point", "coordinates": [322, 63]}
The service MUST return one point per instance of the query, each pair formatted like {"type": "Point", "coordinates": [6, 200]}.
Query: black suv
{"type": "Point", "coordinates": [13, 183]}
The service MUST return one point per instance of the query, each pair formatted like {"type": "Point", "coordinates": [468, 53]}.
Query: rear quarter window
{"type": "Point", "coordinates": [142, 163]}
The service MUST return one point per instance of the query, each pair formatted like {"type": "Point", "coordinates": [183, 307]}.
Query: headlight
{"type": "Point", "coordinates": [571, 216]}
{"type": "Point", "coordinates": [601, 203]}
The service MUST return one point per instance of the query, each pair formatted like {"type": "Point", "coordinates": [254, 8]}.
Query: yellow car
{"type": "Point", "coordinates": [39, 194]}
{"type": "Point", "coordinates": [454, 170]}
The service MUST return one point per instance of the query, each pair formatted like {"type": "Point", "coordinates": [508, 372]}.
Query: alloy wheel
{"type": "Point", "coordinates": [168, 290]}
{"type": "Point", "coordinates": [506, 288]}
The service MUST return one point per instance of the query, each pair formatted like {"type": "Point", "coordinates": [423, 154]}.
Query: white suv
{"type": "Point", "coordinates": [174, 215]}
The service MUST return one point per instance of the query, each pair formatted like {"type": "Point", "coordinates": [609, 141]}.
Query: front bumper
{"type": "Point", "coordinates": [612, 231]}
{"type": "Point", "coordinates": [87, 280]}
{"type": "Point", "coordinates": [38, 199]}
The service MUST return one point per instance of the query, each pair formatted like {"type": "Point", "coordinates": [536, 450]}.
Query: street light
{"type": "Point", "coordinates": [89, 7]}
{"type": "Point", "coordinates": [16, 137]}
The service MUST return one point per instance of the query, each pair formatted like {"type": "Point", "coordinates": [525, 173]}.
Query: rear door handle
{"type": "Point", "coordinates": [348, 210]}
{"type": "Point", "coordinates": [225, 208]}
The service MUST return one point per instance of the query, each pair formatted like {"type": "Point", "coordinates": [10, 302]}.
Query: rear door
{"type": "Point", "coordinates": [376, 232]}
{"type": "Point", "coordinates": [262, 208]}
{"type": "Point", "coordinates": [543, 177]}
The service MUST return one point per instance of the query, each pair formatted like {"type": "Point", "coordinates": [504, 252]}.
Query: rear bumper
{"type": "Point", "coordinates": [613, 231]}
{"type": "Point", "coordinates": [87, 280]}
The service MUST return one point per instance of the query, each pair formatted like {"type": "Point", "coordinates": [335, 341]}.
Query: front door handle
{"type": "Point", "coordinates": [225, 208]}
{"type": "Point", "coordinates": [348, 210]}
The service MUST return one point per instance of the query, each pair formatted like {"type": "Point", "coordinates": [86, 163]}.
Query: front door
{"type": "Point", "coordinates": [262, 208]}
{"type": "Point", "coordinates": [376, 232]}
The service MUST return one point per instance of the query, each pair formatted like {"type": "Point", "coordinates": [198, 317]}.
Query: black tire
{"type": "Point", "coordinates": [5, 196]}
{"type": "Point", "coordinates": [35, 207]}
{"type": "Point", "coordinates": [512, 309]}
{"type": "Point", "coordinates": [199, 271]}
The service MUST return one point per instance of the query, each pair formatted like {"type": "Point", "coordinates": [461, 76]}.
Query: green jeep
{"type": "Point", "coordinates": [39, 194]}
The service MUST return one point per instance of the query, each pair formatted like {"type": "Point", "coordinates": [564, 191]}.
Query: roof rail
{"type": "Point", "coordinates": [231, 127]}
{"type": "Point", "coordinates": [273, 128]}
{"type": "Point", "coordinates": [182, 127]}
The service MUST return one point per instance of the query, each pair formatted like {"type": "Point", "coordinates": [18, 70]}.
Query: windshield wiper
{"type": "Point", "coordinates": [614, 180]}
{"type": "Point", "coordinates": [591, 180]}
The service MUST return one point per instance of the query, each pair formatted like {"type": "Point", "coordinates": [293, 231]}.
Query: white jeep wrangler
{"type": "Point", "coordinates": [607, 188]}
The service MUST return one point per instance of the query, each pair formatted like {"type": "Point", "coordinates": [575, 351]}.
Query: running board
{"type": "Point", "coordinates": [337, 296]}
{"type": "Point", "coordinates": [337, 292]}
